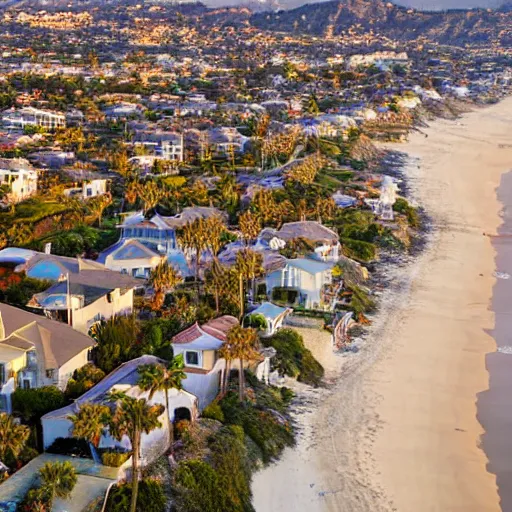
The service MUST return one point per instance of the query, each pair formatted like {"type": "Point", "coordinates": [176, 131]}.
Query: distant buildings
{"type": "Point", "coordinates": [19, 119]}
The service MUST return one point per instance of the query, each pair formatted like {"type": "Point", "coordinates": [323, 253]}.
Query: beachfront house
{"type": "Point", "coordinates": [199, 345]}
{"type": "Point", "coordinates": [182, 405]}
{"type": "Point", "coordinates": [36, 351]}
{"type": "Point", "coordinates": [302, 281]}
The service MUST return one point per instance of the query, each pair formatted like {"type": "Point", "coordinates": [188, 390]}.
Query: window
{"type": "Point", "coordinates": [2, 374]}
{"type": "Point", "coordinates": [192, 358]}
{"type": "Point", "coordinates": [50, 374]}
{"type": "Point", "coordinates": [26, 384]}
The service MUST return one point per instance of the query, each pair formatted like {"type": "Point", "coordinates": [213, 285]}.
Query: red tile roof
{"type": "Point", "coordinates": [218, 328]}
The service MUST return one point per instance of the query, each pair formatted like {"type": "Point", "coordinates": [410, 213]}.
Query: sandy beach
{"type": "Point", "coordinates": [397, 429]}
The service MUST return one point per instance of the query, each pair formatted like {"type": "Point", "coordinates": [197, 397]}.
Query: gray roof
{"type": "Point", "coordinates": [56, 342]}
{"type": "Point", "coordinates": [308, 229]}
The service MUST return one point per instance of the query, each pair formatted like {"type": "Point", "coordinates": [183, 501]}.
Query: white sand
{"type": "Point", "coordinates": [398, 429]}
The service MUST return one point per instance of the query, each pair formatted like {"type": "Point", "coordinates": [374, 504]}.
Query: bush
{"type": "Point", "coordinates": [33, 403]}
{"type": "Point", "coordinates": [83, 379]}
{"type": "Point", "coordinates": [360, 302]}
{"type": "Point", "coordinates": [151, 497]}
{"type": "Point", "coordinates": [114, 459]}
{"type": "Point", "coordinates": [268, 428]}
{"type": "Point", "coordinates": [38, 499]}
{"type": "Point", "coordinates": [71, 446]}
{"type": "Point", "coordinates": [257, 321]}
{"type": "Point", "coordinates": [293, 358]}
{"type": "Point", "coordinates": [214, 412]}
{"type": "Point", "coordinates": [411, 213]}
{"type": "Point", "coordinates": [359, 250]}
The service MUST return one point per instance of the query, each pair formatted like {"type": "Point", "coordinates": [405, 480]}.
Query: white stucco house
{"type": "Point", "coordinates": [21, 178]}
{"type": "Point", "coordinates": [129, 256]}
{"type": "Point", "coordinates": [182, 405]}
{"type": "Point", "coordinates": [199, 345]}
{"type": "Point", "coordinates": [36, 351]}
{"type": "Point", "coordinates": [308, 277]}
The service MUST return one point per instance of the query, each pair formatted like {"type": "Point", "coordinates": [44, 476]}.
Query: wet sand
{"type": "Point", "coordinates": [398, 429]}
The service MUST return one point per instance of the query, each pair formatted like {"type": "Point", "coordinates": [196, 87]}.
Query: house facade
{"type": "Point", "coordinates": [182, 405]}
{"type": "Point", "coordinates": [21, 178]}
{"type": "Point", "coordinates": [36, 351]}
{"type": "Point", "coordinates": [308, 277]}
{"type": "Point", "coordinates": [199, 345]}
{"type": "Point", "coordinates": [18, 119]}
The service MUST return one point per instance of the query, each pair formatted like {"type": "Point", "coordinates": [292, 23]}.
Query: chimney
{"type": "Point", "coordinates": [48, 248]}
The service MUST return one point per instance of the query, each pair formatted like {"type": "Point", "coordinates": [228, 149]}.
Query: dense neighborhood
{"type": "Point", "coordinates": [179, 191]}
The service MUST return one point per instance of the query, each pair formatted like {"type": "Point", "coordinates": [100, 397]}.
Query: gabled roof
{"type": "Point", "coordinates": [56, 342]}
{"type": "Point", "coordinates": [309, 229]}
{"type": "Point", "coordinates": [126, 249]}
{"type": "Point", "coordinates": [209, 336]}
{"type": "Point", "coordinates": [310, 266]}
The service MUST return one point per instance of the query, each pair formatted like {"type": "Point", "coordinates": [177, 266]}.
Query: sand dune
{"type": "Point", "coordinates": [398, 428]}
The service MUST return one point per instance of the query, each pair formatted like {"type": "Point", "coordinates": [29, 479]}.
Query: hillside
{"type": "Point", "coordinates": [459, 27]}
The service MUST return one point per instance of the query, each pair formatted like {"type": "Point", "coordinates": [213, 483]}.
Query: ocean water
{"type": "Point", "coordinates": [495, 405]}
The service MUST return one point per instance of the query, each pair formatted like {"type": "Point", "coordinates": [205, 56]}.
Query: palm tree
{"type": "Point", "coordinates": [241, 343]}
{"type": "Point", "coordinates": [213, 229]}
{"type": "Point", "coordinates": [13, 436]}
{"type": "Point", "coordinates": [193, 238]}
{"type": "Point", "coordinates": [157, 377]}
{"type": "Point", "coordinates": [59, 478]}
{"type": "Point", "coordinates": [163, 278]}
{"type": "Point", "coordinates": [90, 422]}
{"type": "Point", "coordinates": [249, 266]}
{"type": "Point", "coordinates": [250, 226]}
{"type": "Point", "coordinates": [97, 206]}
{"type": "Point", "coordinates": [150, 194]}
{"type": "Point", "coordinates": [132, 418]}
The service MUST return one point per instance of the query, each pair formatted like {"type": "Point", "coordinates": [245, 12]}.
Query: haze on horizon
{"type": "Point", "coordinates": [424, 5]}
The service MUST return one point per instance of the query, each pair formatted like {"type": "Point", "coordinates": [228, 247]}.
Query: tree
{"type": "Point", "coordinates": [97, 206]}
{"type": "Point", "coordinates": [250, 226]}
{"type": "Point", "coordinates": [249, 266]}
{"type": "Point", "coordinates": [213, 230]}
{"type": "Point", "coordinates": [90, 422]}
{"type": "Point", "coordinates": [132, 418]}
{"type": "Point", "coordinates": [121, 163]}
{"type": "Point", "coordinates": [13, 437]}
{"type": "Point", "coordinates": [311, 105]}
{"type": "Point", "coordinates": [59, 478]}
{"type": "Point", "coordinates": [242, 343]}
{"type": "Point", "coordinates": [163, 278]}
{"type": "Point", "coordinates": [116, 340]}
{"type": "Point", "coordinates": [193, 238]}
{"type": "Point", "coordinates": [150, 194]}
{"type": "Point", "coordinates": [157, 377]}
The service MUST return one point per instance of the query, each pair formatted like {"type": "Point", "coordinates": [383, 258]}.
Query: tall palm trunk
{"type": "Point", "coordinates": [225, 380]}
{"type": "Point", "coordinates": [135, 471]}
{"type": "Point", "coordinates": [241, 383]}
{"type": "Point", "coordinates": [242, 298]}
{"type": "Point", "coordinates": [171, 425]}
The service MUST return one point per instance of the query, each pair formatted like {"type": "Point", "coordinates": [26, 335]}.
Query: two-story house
{"type": "Point", "coordinates": [164, 145]}
{"type": "Point", "coordinates": [36, 351]}
{"type": "Point", "coordinates": [199, 345]}
{"type": "Point", "coordinates": [18, 119]}
{"type": "Point", "coordinates": [20, 178]}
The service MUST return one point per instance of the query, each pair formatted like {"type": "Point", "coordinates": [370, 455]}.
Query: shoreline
{"type": "Point", "coordinates": [398, 429]}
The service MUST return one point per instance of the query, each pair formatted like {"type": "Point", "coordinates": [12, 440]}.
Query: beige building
{"type": "Point", "coordinates": [36, 351]}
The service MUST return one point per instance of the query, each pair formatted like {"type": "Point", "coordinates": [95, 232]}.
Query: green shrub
{"type": "Point", "coordinates": [359, 250]}
{"type": "Point", "coordinates": [83, 379]}
{"type": "Point", "coordinates": [360, 302]}
{"type": "Point", "coordinates": [411, 213]}
{"type": "Point", "coordinates": [214, 412]}
{"type": "Point", "coordinates": [38, 499]}
{"type": "Point", "coordinates": [33, 403]}
{"type": "Point", "coordinates": [293, 358]}
{"type": "Point", "coordinates": [285, 295]}
{"type": "Point", "coordinates": [257, 321]}
{"type": "Point", "coordinates": [114, 459]}
{"type": "Point", "coordinates": [151, 497]}
{"type": "Point", "coordinates": [268, 428]}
